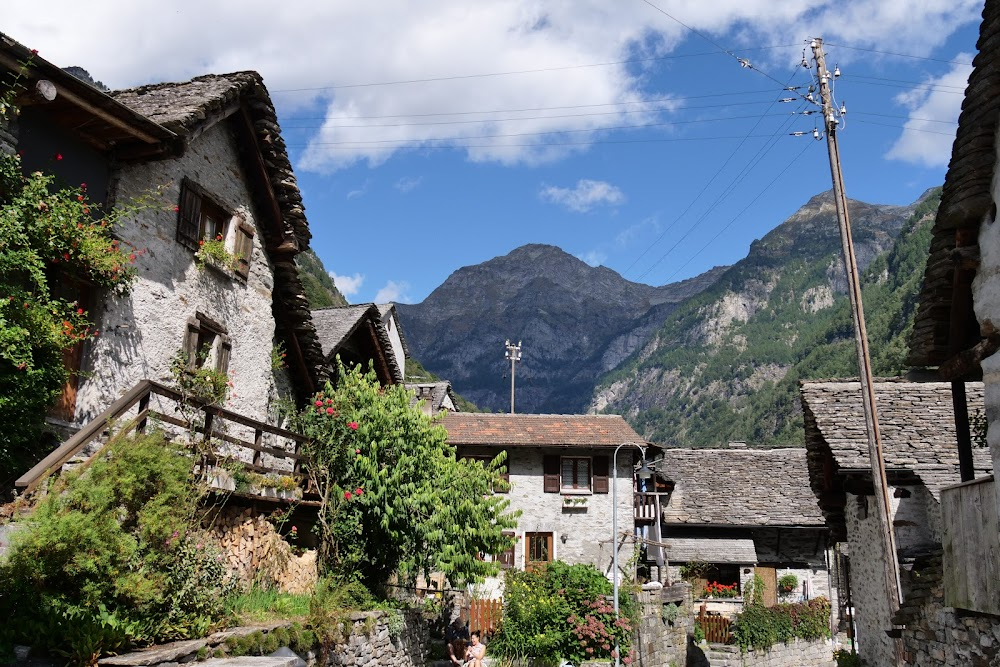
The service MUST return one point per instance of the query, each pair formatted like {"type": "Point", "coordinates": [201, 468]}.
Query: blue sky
{"type": "Point", "coordinates": [431, 136]}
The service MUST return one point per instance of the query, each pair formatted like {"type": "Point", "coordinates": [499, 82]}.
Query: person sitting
{"type": "Point", "coordinates": [475, 653]}
{"type": "Point", "coordinates": [456, 636]}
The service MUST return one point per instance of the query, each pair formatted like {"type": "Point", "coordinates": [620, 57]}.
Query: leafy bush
{"type": "Point", "coordinates": [845, 658]}
{"type": "Point", "coordinates": [394, 499]}
{"type": "Point", "coordinates": [561, 612]}
{"type": "Point", "coordinates": [759, 627]}
{"type": "Point", "coordinates": [109, 558]}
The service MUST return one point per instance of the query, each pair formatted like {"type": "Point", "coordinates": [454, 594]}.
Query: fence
{"type": "Point", "coordinates": [717, 629]}
{"type": "Point", "coordinates": [484, 616]}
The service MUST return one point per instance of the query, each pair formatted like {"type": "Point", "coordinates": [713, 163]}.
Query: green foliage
{"type": "Point", "coordinates": [48, 236]}
{"type": "Point", "coordinates": [753, 591]}
{"type": "Point", "coordinates": [759, 627]}
{"type": "Point", "coordinates": [845, 658]}
{"type": "Point", "coordinates": [694, 569]}
{"type": "Point", "coordinates": [317, 283]}
{"type": "Point", "coordinates": [754, 367]}
{"type": "Point", "coordinates": [394, 500]}
{"type": "Point", "coordinates": [670, 613]}
{"type": "Point", "coordinates": [561, 612]}
{"type": "Point", "coordinates": [199, 382]}
{"type": "Point", "coordinates": [213, 251]}
{"type": "Point", "coordinates": [278, 355]}
{"type": "Point", "coordinates": [108, 559]}
{"type": "Point", "coordinates": [787, 583]}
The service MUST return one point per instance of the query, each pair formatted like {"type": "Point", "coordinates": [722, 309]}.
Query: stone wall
{"type": "Point", "coordinates": [374, 641]}
{"type": "Point", "coordinates": [256, 553]}
{"type": "Point", "coordinates": [141, 332]}
{"type": "Point", "coordinates": [661, 642]}
{"type": "Point", "coordinates": [798, 653]}
{"type": "Point", "coordinates": [938, 635]}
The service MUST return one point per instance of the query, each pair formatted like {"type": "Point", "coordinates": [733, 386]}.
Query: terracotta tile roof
{"type": "Point", "coordinates": [468, 428]}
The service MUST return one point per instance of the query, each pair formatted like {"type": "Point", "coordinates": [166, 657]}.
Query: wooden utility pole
{"type": "Point", "coordinates": [830, 122]}
{"type": "Point", "coordinates": [514, 354]}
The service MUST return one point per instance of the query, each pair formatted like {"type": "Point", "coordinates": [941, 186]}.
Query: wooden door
{"type": "Point", "coordinates": [537, 550]}
{"type": "Point", "coordinates": [770, 577]}
{"type": "Point", "coordinates": [65, 406]}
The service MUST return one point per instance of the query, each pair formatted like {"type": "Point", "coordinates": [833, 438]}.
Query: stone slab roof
{"type": "Point", "coordinates": [966, 198]}
{"type": "Point", "coordinates": [593, 431]}
{"type": "Point", "coordinates": [710, 550]}
{"type": "Point", "coordinates": [917, 425]}
{"type": "Point", "coordinates": [432, 392]}
{"type": "Point", "coordinates": [738, 487]}
{"type": "Point", "coordinates": [337, 324]}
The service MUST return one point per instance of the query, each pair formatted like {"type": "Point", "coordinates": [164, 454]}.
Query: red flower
{"type": "Point", "coordinates": [358, 492]}
{"type": "Point", "coordinates": [34, 52]}
{"type": "Point", "coordinates": [79, 197]}
{"type": "Point", "coordinates": [79, 311]}
{"type": "Point", "coordinates": [58, 157]}
{"type": "Point", "coordinates": [319, 404]}
{"type": "Point", "coordinates": [347, 495]}
{"type": "Point", "coordinates": [201, 242]}
{"type": "Point", "coordinates": [329, 411]}
{"type": "Point", "coordinates": [352, 425]}
{"type": "Point", "coordinates": [177, 209]}
{"type": "Point", "coordinates": [356, 451]}
{"type": "Point", "coordinates": [83, 186]}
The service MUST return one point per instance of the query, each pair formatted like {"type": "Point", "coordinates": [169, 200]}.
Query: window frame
{"type": "Point", "coordinates": [575, 488]}
{"type": "Point", "coordinates": [202, 216]}
{"type": "Point", "coordinates": [205, 332]}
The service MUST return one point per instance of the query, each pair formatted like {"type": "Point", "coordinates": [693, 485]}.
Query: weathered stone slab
{"type": "Point", "coordinates": [171, 652]}
{"type": "Point", "coordinates": [249, 661]}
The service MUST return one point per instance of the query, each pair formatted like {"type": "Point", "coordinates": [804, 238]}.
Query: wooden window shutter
{"type": "Point", "coordinates": [225, 350]}
{"type": "Point", "coordinates": [189, 215]}
{"type": "Point", "coordinates": [601, 474]}
{"type": "Point", "coordinates": [244, 249]}
{"type": "Point", "coordinates": [191, 343]}
{"type": "Point", "coordinates": [550, 470]}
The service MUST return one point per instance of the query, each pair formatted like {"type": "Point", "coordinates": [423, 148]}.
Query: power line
{"type": "Point", "coordinates": [929, 87]}
{"type": "Point", "coordinates": [899, 55]}
{"type": "Point", "coordinates": [918, 83]}
{"type": "Point", "coordinates": [903, 127]}
{"type": "Point", "coordinates": [458, 77]}
{"type": "Point", "coordinates": [887, 115]}
{"type": "Point", "coordinates": [553, 143]}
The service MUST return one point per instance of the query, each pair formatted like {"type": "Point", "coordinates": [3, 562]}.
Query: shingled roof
{"type": "Point", "coordinates": [338, 324]}
{"type": "Point", "coordinates": [738, 487]}
{"type": "Point", "coordinates": [965, 201]}
{"type": "Point", "coordinates": [433, 393]}
{"type": "Point", "coordinates": [591, 431]}
{"type": "Point", "coordinates": [190, 108]}
{"type": "Point", "coordinates": [917, 425]}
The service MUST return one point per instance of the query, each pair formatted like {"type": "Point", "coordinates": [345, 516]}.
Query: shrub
{"type": "Point", "coordinates": [109, 558]}
{"type": "Point", "coordinates": [759, 627]}
{"type": "Point", "coordinates": [561, 612]}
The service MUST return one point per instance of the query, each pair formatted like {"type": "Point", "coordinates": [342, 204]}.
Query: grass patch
{"type": "Point", "coordinates": [265, 604]}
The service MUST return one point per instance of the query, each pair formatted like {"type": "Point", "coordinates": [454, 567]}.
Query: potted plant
{"type": "Point", "coordinates": [787, 584]}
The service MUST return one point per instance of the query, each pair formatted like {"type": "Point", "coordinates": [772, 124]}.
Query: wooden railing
{"type": "Point", "coordinates": [647, 506]}
{"type": "Point", "coordinates": [717, 629]}
{"type": "Point", "coordinates": [133, 412]}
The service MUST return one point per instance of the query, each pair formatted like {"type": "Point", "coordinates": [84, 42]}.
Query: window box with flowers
{"type": "Point", "coordinates": [716, 590]}
{"type": "Point", "coordinates": [575, 503]}
{"type": "Point", "coordinates": [212, 252]}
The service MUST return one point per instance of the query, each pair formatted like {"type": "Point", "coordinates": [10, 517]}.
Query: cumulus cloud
{"type": "Point", "coordinates": [925, 140]}
{"type": "Point", "coordinates": [628, 235]}
{"type": "Point", "coordinates": [393, 292]}
{"type": "Point", "coordinates": [407, 184]}
{"type": "Point", "coordinates": [348, 285]}
{"type": "Point", "coordinates": [586, 195]}
{"type": "Point", "coordinates": [321, 59]}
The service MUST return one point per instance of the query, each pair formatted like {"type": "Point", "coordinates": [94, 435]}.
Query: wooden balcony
{"type": "Point", "coordinates": [647, 506]}
{"type": "Point", "coordinates": [229, 436]}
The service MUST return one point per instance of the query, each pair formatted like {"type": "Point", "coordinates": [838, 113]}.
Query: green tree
{"type": "Point", "coordinates": [394, 498]}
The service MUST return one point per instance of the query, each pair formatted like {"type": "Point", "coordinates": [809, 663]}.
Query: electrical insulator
{"type": "Point", "coordinates": [843, 109]}
{"type": "Point", "coordinates": [836, 71]}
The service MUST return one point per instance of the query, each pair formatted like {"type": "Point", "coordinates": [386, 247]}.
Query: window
{"type": "Point", "coordinates": [199, 216]}
{"type": "Point", "coordinates": [575, 473]}
{"type": "Point", "coordinates": [537, 550]}
{"type": "Point", "coordinates": [507, 557]}
{"type": "Point", "coordinates": [504, 487]}
{"type": "Point", "coordinates": [207, 344]}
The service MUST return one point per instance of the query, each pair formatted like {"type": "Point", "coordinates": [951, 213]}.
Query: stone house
{"type": "Point", "coordinates": [433, 397]}
{"type": "Point", "coordinates": [211, 152]}
{"type": "Point", "coordinates": [921, 458]}
{"type": "Point", "coordinates": [559, 469]}
{"type": "Point", "coordinates": [742, 511]}
{"type": "Point", "coordinates": [362, 334]}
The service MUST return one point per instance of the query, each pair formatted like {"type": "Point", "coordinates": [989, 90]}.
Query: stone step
{"type": "Point", "coordinates": [251, 661]}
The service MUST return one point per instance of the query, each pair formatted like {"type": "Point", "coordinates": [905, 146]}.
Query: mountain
{"type": "Point", "coordinates": [317, 283]}
{"type": "Point", "coordinates": [725, 365]}
{"type": "Point", "coordinates": [575, 322]}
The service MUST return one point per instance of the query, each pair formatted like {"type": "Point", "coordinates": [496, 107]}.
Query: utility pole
{"type": "Point", "coordinates": [514, 354]}
{"type": "Point", "coordinates": [830, 122]}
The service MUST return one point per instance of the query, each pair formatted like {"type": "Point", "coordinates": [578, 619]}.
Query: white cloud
{"type": "Point", "coordinates": [348, 285]}
{"type": "Point", "coordinates": [318, 57]}
{"type": "Point", "coordinates": [393, 292]}
{"type": "Point", "coordinates": [593, 257]}
{"type": "Point", "coordinates": [408, 183]}
{"type": "Point", "coordinates": [626, 236]}
{"type": "Point", "coordinates": [586, 195]}
{"type": "Point", "coordinates": [359, 192]}
{"type": "Point", "coordinates": [925, 141]}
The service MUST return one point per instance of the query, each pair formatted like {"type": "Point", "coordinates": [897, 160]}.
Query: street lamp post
{"type": "Point", "coordinates": [643, 473]}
